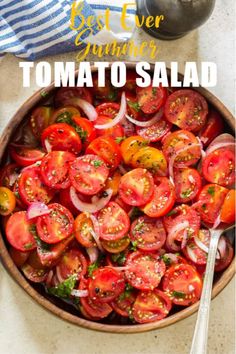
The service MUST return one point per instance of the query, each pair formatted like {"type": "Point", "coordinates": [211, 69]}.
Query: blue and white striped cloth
{"type": "Point", "coordinates": [31, 29]}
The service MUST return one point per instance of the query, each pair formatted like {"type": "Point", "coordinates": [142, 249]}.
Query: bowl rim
{"type": "Point", "coordinates": [15, 273]}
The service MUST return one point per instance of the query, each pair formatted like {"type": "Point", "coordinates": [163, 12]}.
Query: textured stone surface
{"type": "Point", "coordinates": [27, 328]}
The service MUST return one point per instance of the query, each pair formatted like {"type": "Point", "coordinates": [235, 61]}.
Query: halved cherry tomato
{"type": "Point", "coordinates": [150, 98]}
{"type": "Point", "coordinates": [72, 262]}
{"type": "Point", "coordinates": [115, 132]}
{"type": "Point", "coordinates": [106, 284]}
{"type": "Point", "coordinates": [64, 115]}
{"type": "Point", "coordinates": [18, 257]}
{"type": "Point", "coordinates": [107, 149]}
{"type": "Point", "coordinates": [25, 155]}
{"type": "Point", "coordinates": [194, 252]}
{"type": "Point", "coordinates": [177, 142]}
{"type": "Point", "coordinates": [116, 246]}
{"type": "Point", "coordinates": [187, 109]}
{"type": "Point", "coordinates": [188, 184]}
{"type": "Point", "coordinates": [152, 159]}
{"type": "Point", "coordinates": [108, 109]}
{"type": "Point", "coordinates": [133, 107]}
{"type": "Point", "coordinates": [124, 302]}
{"type": "Point", "coordinates": [130, 146]}
{"type": "Point", "coordinates": [31, 187]}
{"type": "Point", "coordinates": [213, 127]}
{"type": "Point", "coordinates": [149, 234]}
{"type": "Point", "coordinates": [156, 131]}
{"type": "Point", "coordinates": [7, 201]}
{"type": "Point", "coordinates": [85, 129]}
{"type": "Point", "coordinates": [151, 306]}
{"type": "Point", "coordinates": [19, 232]}
{"type": "Point", "coordinates": [9, 174]}
{"type": "Point", "coordinates": [225, 259]}
{"type": "Point", "coordinates": [39, 120]}
{"type": "Point", "coordinates": [182, 284]}
{"type": "Point", "coordinates": [227, 213]}
{"type": "Point", "coordinates": [162, 200]}
{"type": "Point", "coordinates": [34, 275]}
{"type": "Point", "coordinates": [65, 96]}
{"type": "Point", "coordinates": [211, 199]}
{"type": "Point", "coordinates": [113, 221]}
{"type": "Point", "coordinates": [83, 228]}
{"type": "Point", "coordinates": [88, 174]}
{"type": "Point", "coordinates": [113, 182]}
{"type": "Point", "coordinates": [55, 226]}
{"type": "Point", "coordinates": [61, 137]}
{"type": "Point", "coordinates": [219, 167]}
{"type": "Point", "coordinates": [136, 187]}
{"type": "Point", "coordinates": [55, 167]}
{"type": "Point", "coordinates": [145, 270]}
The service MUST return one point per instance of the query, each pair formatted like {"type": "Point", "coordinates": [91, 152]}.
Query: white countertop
{"type": "Point", "coordinates": [26, 328]}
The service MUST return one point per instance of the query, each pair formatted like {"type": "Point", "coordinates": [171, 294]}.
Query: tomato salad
{"type": "Point", "coordinates": [107, 198]}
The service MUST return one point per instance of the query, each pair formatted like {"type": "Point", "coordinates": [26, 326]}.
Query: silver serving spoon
{"type": "Point", "coordinates": [200, 337]}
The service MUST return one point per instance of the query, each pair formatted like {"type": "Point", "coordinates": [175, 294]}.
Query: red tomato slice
{"type": "Point", "coordinates": [116, 246]}
{"type": "Point", "coordinates": [211, 199]}
{"type": "Point", "coordinates": [55, 168]}
{"type": "Point", "coordinates": [188, 184]}
{"type": "Point", "coordinates": [136, 187]}
{"type": "Point", "coordinates": [163, 198]}
{"type": "Point", "coordinates": [31, 187]}
{"type": "Point", "coordinates": [213, 127]}
{"type": "Point", "coordinates": [187, 109]}
{"type": "Point", "coordinates": [55, 226]}
{"type": "Point", "coordinates": [72, 262]}
{"type": "Point", "coordinates": [83, 226]}
{"type": "Point", "coordinates": [61, 137]}
{"type": "Point", "coordinates": [156, 131]}
{"type": "Point", "coordinates": [124, 302]}
{"type": "Point", "coordinates": [88, 174]}
{"type": "Point", "coordinates": [145, 270]}
{"type": "Point", "coordinates": [226, 258]}
{"type": "Point", "coordinates": [151, 306]}
{"type": "Point", "coordinates": [24, 155]}
{"type": "Point", "coordinates": [182, 284]}
{"type": "Point", "coordinates": [193, 252]}
{"type": "Point", "coordinates": [39, 120]}
{"type": "Point", "coordinates": [18, 257]}
{"type": "Point", "coordinates": [85, 129]}
{"type": "Point", "coordinates": [133, 107]}
{"type": "Point", "coordinates": [227, 213]}
{"type": "Point", "coordinates": [150, 98]}
{"type": "Point", "coordinates": [108, 109]}
{"type": "Point", "coordinates": [9, 174]}
{"type": "Point", "coordinates": [65, 95]}
{"type": "Point", "coordinates": [149, 234]}
{"type": "Point", "coordinates": [106, 284]}
{"type": "Point", "coordinates": [115, 132]}
{"type": "Point", "coordinates": [63, 115]}
{"type": "Point", "coordinates": [106, 148]}
{"type": "Point", "coordinates": [19, 232]}
{"type": "Point", "coordinates": [219, 167]}
{"type": "Point", "coordinates": [113, 221]}
{"type": "Point", "coordinates": [34, 275]}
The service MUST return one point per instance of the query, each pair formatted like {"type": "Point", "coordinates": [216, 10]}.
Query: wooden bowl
{"type": "Point", "coordinates": [56, 306]}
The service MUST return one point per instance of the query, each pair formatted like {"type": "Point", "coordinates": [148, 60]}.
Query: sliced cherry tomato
{"type": "Point", "coordinates": [83, 228]}
{"type": "Point", "coordinates": [31, 187]}
{"type": "Point", "coordinates": [114, 222]}
{"type": "Point", "coordinates": [188, 184]}
{"type": "Point", "coordinates": [19, 232]}
{"type": "Point", "coordinates": [152, 159]}
{"type": "Point", "coordinates": [193, 252]}
{"type": "Point", "coordinates": [124, 302]}
{"type": "Point", "coordinates": [66, 96]}
{"type": "Point", "coordinates": [72, 262]}
{"type": "Point", "coordinates": [163, 198]}
{"type": "Point", "coordinates": [136, 187]}
{"type": "Point", "coordinates": [88, 174]}
{"type": "Point", "coordinates": [85, 129]}
{"type": "Point", "coordinates": [34, 275]}
{"type": "Point", "coordinates": [24, 155]}
{"type": "Point", "coordinates": [39, 120]}
{"type": "Point", "coordinates": [116, 246]}
{"type": "Point", "coordinates": [151, 306]}
{"type": "Point", "coordinates": [9, 174]}
{"type": "Point", "coordinates": [187, 109]}
{"type": "Point", "coordinates": [18, 257]}
{"type": "Point", "coordinates": [225, 259]}
{"type": "Point", "coordinates": [61, 137]}
{"type": "Point", "coordinates": [211, 199]}
{"type": "Point", "coordinates": [133, 107]}
{"type": "Point", "coordinates": [227, 213]}
{"type": "Point", "coordinates": [108, 109]}
{"type": "Point", "coordinates": [55, 168]}
{"type": "Point", "coordinates": [7, 201]}
{"type": "Point", "coordinates": [148, 234]}
{"type": "Point", "coordinates": [130, 146]}
{"type": "Point", "coordinates": [113, 182]}
{"type": "Point", "coordinates": [107, 149]}
{"type": "Point", "coordinates": [219, 167]}
{"type": "Point", "coordinates": [156, 131]}
{"type": "Point", "coordinates": [182, 284]}
{"type": "Point", "coordinates": [19, 201]}
{"type": "Point", "coordinates": [106, 284]}
{"type": "Point", "coordinates": [64, 115]}
{"type": "Point", "coordinates": [150, 98]}
{"type": "Point", "coordinates": [145, 270]}
{"type": "Point", "coordinates": [213, 127]}
{"type": "Point", "coordinates": [183, 146]}
{"type": "Point", "coordinates": [55, 226]}
{"type": "Point", "coordinates": [115, 132]}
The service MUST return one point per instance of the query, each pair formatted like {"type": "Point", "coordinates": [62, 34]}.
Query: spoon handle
{"type": "Point", "coordinates": [199, 343]}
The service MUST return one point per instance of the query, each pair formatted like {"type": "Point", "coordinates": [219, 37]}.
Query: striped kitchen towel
{"type": "Point", "coordinates": [31, 29]}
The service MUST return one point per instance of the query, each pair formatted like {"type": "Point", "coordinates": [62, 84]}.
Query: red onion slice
{"type": "Point", "coordinates": [122, 170]}
{"type": "Point", "coordinates": [48, 146]}
{"type": "Point", "coordinates": [191, 254]}
{"type": "Point", "coordinates": [170, 241]}
{"type": "Point", "coordinates": [120, 269]}
{"type": "Point", "coordinates": [37, 209]}
{"type": "Point", "coordinates": [79, 293]}
{"type": "Point", "coordinates": [59, 276]}
{"type": "Point", "coordinates": [49, 278]}
{"type": "Point", "coordinates": [87, 107]}
{"type": "Point", "coordinates": [92, 253]}
{"type": "Point", "coordinates": [148, 123]}
{"type": "Point", "coordinates": [184, 239]}
{"type": "Point", "coordinates": [89, 207]}
{"type": "Point", "coordinates": [222, 247]}
{"type": "Point", "coordinates": [95, 233]}
{"type": "Point", "coordinates": [221, 141]}
{"type": "Point", "coordinates": [200, 244]}
{"type": "Point", "coordinates": [119, 117]}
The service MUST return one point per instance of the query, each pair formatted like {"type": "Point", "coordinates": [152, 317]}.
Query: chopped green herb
{"type": "Point", "coordinates": [134, 105]}
{"type": "Point", "coordinates": [112, 96]}
{"type": "Point", "coordinates": [119, 258]}
{"type": "Point", "coordinates": [43, 246]}
{"type": "Point", "coordinates": [27, 246]}
{"type": "Point", "coordinates": [179, 294]}
{"type": "Point", "coordinates": [64, 289]}
{"type": "Point", "coordinates": [154, 91]}
{"type": "Point", "coordinates": [136, 212]}
{"type": "Point", "coordinates": [204, 206]}
{"type": "Point", "coordinates": [92, 267]}
{"type": "Point", "coordinates": [128, 287]}
{"type": "Point", "coordinates": [166, 259]}
{"type": "Point", "coordinates": [97, 163]}
{"type": "Point", "coordinates": [119, 139]}
{"type": "Point", "coordinates": [139, 226]}
{"type": "Point", "coordinates": [211, 191]}
{"type": "Point", "coordinates": [65, 118]}
{"type": "Point", "coordinates": [172, 212]}
{"type": "Point", "coordinates": [44, 94]}
{"type": "Point", "coordinates": [134, 245]}
{"type": "Point", "coordinates": [81, 132]}
{"type": "Point", "coordinates": [186, 193]}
